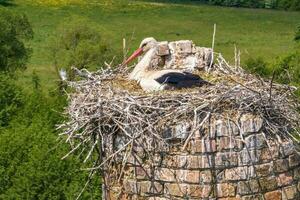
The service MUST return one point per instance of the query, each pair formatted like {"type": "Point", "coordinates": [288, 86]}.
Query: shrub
{"type": "Point", "coordinates": [287, 68]}
{"type": "Point", "coordinates": [10, 99]}
{"type": "Point", "coordinates": [30, 155]}
{"type": "Point", "coordinates": [80, 43]}
{"type": "Point", "coordinates": [297, 35]}
{"type": "Point", "coordinates": [288, 4]}
{"type": "Point", "coordinates": [14, 30]}
{"type": "Point", "coordinates": [281, 4]}
{"type": "Point", "coordinates": [257, 65]}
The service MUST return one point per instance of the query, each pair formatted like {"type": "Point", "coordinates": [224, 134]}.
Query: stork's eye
{"type": "Point", "coordinates": [143, 45]}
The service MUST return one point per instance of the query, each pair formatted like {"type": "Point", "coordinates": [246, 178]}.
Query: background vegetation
{"type": "Point", "coordinates": [37, 38]}
{"type": "Point", "coordinates": [30, 155]}
{"type": "Point", "coordinates": [278, 4]}
{"type": "Point", "coordinates": [270, 4]}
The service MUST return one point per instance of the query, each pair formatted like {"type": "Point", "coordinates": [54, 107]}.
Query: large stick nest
{"type": "Point", "coordinates": [105, 104]}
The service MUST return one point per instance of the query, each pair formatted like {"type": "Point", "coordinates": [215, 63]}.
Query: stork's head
{"type": "Point", "coordinates": [146, 45]}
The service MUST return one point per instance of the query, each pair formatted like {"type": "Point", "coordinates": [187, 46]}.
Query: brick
{"type": "Point", "coordinates": [199, 162]}
{"type": "Point", "coordinates": [268, 183]}
{"type": "Point", "coordinates": [181, 161]}
{"type": "Point", "coordinates": [157, 198]}
{"type": "Point", "coordinates": [285, 179]}
{"type": "Point", "coordinates": [269, 154]}
{"type": "Point", "coordinates": [206, 176]}
{"type": "Point", "coordinates": [253, 197]}
{"type": "Point", "coordinates": [226, 159]}
{"type": "Point", "coordinates": [251, 123]}
{"type": "Point", "coordinates": [190, 63]}
{"type": "Point", "coordinates": [165, 174]}
{"type": "Point", "coordinates": [264, 169]}
{"type": "Point", "coordinates": [175, 189]}
{"type": "Point", "coordinates": [220, 175]}
{"type": "Point", "coordinates": [289, 192]}
{"type": "Point", "coordinates": [256, 141]}
{"type": "Point", "coordinates": [204, 56]}
{"type": "Point", "coordinates": [281, 165]}
{"type": "Point", "coordinates": [297, 173]}
{"type": "Point", "coordinates": [142, 173]}
{"type": "Point", "coordinates": [134, 160]}
{"type": "Point", "coordinates": [130, 186]}
{"type": "Point", "coordinates": [225, 143]}
{"type": "Point", "coordinates": [230, 198]}
{"type": "Point", "coordinates": [194, 176]}
{"type": "Point", "coordinates": [274, 195]}
{"type": "Point", "coordinates": [249, 157]}
{"type": "Point", "coordinates": [184, 46]}
{"type": "Point", "coordinates": [163, 48]}
{"type": "Point", "coordinates": [202, 146]}
{"type": "Point", "coordinates": [287, 148]}
{"type": "Point", "coordinates": [178, 161]}
{"type": "Point", "coordinates": [248, 187]}
{"type": "Point", "coordinates": [188, 176]}
{"type": "Point", "coordinates": [225, 128]}
{"type": "Point", "coordinates": [239, 173]}
{"type": "Point", "coordinates": [185, 190]}
{"type": "Point", "coordinates": [294, 160]}
{"type": "Point", "coordinates": [148, 187]}
{"type": "Point", "coordinates": [202, 191]}
{"type": "Point", "coordinates": [226, 190]}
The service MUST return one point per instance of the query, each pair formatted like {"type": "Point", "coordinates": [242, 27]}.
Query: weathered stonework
{"type": "Point", "coordinates": [182, 54]}
{"type": "Point", "coordinates": [224, 162]}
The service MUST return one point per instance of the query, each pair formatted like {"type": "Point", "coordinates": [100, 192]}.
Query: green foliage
{"type": "Point", "coordinates": [287, 68]}
{"type": "Point", "coordinates": [257, 65]}
{"type": "Point", "coordinates": [288, 4]}
{"type": "Point", "coordinates": [4, 2]}
{"type": "Point", "coordinates": [35, 80]}
{"type": "Point", "coordinates": [239, 3]}
{"type": "Point", "coordinates": [277, 4]}
{"type": "Point", "coordinates": [297, 35]}
{"type": "Point", "coordinates": [14, 30]}
{"type": "Point", "coordinates": [30, 155]}
{"type": "Point", "coordinates": [80, 43]}
{"type": "Point", "coordinates": [10, 99]}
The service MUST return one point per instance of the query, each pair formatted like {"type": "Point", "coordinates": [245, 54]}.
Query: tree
{"type": "Point", "coordinates": [14, 31]}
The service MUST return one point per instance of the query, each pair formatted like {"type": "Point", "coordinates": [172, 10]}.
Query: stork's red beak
{"type": "Point", "coordinates": [135, 54]}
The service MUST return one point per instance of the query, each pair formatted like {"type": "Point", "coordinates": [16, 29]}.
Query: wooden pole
{"type": "Point", "coordinates": [212, 47]}
{"type": "Point", "coordinates": [124, 50]}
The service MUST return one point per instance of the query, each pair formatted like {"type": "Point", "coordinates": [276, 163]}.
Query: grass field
{"type": "Point", "coordinates": [265, 33]}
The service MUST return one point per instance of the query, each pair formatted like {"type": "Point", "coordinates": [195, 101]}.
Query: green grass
{"type": "Point", "coordinates": [256, 32]}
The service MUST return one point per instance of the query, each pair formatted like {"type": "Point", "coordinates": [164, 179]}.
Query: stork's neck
{"type": "Point", "coordinates": [143, 65]}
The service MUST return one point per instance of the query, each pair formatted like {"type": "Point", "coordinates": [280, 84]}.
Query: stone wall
{"type": "Point", "coordinates": [230, 160]}
{"type": "Point", "coordinates": [182, 54]}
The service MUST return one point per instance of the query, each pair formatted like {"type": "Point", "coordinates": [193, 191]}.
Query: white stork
{"type": "Point", "coordinates": [155, 80]}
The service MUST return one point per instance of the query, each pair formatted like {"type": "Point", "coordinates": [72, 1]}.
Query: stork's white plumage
{"type": "Point", "coordinates": [155, 80]}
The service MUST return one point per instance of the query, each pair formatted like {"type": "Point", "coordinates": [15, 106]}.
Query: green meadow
{"type": "Point", "coordinates": [255, 32]}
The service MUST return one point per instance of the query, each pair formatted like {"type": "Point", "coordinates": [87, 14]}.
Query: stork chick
{"type": "Point", "coordinates": [155, 80]}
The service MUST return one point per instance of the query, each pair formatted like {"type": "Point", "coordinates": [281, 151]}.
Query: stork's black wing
{"type": "Point", "coordinates": [181, 80]}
